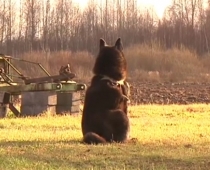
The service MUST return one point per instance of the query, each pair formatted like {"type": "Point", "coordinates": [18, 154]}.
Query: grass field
{"type": "Point", "coordinates": [169, 138]}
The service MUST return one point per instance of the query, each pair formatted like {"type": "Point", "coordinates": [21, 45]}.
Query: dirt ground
{"type": "Point", "coordinates": [169, 93]}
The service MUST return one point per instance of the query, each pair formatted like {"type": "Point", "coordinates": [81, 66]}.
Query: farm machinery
{"type": "Point", "coordinates": [54, 93]}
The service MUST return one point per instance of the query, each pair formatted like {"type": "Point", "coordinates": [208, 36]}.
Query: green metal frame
{"type": "Point", "coordinates": [62, 87]}
{"type": "Point", "coordinates": [57, 83]}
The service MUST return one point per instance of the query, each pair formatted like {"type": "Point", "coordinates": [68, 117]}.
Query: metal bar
{"type": "Point", "coordinates": [18, 59]}
{"type": "Point", "coordinates": [11, 65]}
{"type": "Point", "coordinates": [64, 87]}
{"type": "Point", "coordinates": [6, 77]}
{"type": "Point", "coordinates": [56, 78]}
{"type": "Point", "coordinates": [14, 110]}
{"type": "Point", "coordinates": [31, 87]}
{"type": "Point", "coordinates": [44, 69]}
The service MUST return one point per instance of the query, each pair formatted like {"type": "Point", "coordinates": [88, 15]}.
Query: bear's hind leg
{"type": "Point", "coordinates": [119, 122]}
{"type": "Point", "coordinates": [93, 138]}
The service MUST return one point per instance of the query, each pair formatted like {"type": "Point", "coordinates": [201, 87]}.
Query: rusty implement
{"type": "Point", "coordinates": [64, 75]}
{"type": "Point", "coordinates": [14, 83]}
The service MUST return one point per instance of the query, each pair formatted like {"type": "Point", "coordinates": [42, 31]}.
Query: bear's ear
{"type": "Point", "coordinates": [119, 44]}
{"type": "Point", "coordinates": [102, 43]}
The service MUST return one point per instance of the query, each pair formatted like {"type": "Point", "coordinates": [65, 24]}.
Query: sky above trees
{"type": "Point", "coordinates": [159, 6]}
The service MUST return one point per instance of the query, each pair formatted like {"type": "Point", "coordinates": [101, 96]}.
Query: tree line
{"type": "Point", "coordinates": [46, 25]}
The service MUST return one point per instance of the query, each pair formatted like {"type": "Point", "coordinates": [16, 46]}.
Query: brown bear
{"type": "Point", "coordinates": [104, 117]}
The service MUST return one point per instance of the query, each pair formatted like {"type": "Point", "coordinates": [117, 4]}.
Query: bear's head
{"type": "Point", "coordinates": [111, 61]}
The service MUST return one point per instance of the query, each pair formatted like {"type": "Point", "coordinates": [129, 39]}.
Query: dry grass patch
{"type": "Point", "coordinates": [172, 65]}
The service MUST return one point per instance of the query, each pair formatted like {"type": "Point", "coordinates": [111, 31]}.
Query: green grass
{"type": "Point", "coordinates": [169, 137]}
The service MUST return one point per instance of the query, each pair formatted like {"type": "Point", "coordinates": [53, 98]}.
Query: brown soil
{"type": "Point", "coordinates": [169, 93]}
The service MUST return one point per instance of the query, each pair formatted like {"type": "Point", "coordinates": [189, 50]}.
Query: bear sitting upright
{"type": "Point", "coordinates": [104, 117]}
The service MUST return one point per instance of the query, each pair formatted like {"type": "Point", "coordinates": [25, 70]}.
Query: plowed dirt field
{"type": "Point", "coordinates": [169, 93]}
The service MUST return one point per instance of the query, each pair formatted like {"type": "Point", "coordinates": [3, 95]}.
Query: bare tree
{"type": "Point", "coordinates": [46, 17]}
{"type": "Point", "coordinates": [2, 21]}
{"type": "Point", "coordinates": [11, 26]}
{"type": "Point", "coordinates": [63, 25]}
{"type": "Point", "coordinates": [32, 19]}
